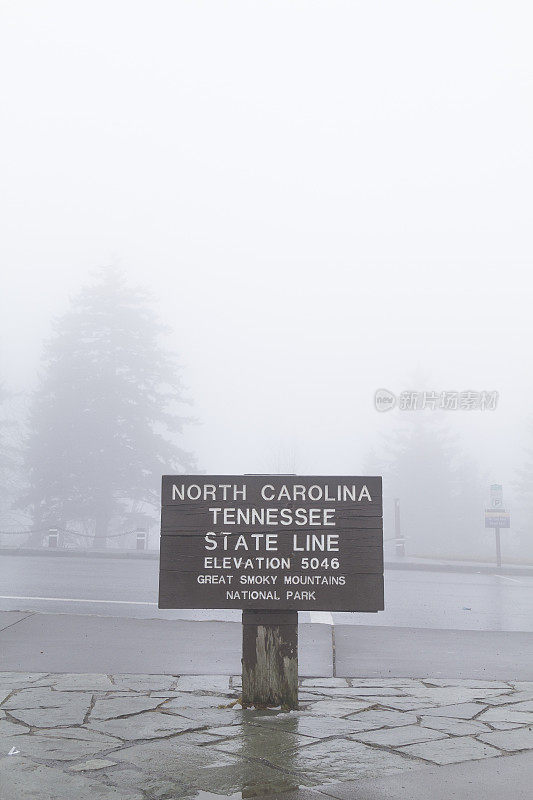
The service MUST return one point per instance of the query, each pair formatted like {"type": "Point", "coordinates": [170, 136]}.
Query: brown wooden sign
{"type": "Point", "coordinates": [271, 542]}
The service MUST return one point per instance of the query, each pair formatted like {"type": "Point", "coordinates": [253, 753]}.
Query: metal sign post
{"type": "Point", "coordinates": [271, 545]}
{"type": "Point", "coordinates": [399, 540]}
{"type": "Point", "coordinates": [497, 517]}
{"type": "Point", "coordinates": [498, 548]}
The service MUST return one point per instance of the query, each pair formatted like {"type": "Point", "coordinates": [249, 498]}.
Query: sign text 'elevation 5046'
{"type": "Point", "coordinates": [271, 542]}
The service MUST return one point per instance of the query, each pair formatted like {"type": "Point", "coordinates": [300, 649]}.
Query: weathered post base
{"type": "Point", "coordinates": [270, 659]}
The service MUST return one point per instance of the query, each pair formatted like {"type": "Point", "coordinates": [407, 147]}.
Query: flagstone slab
{"type": "Point", "coordinates": [83, 682]}
{"type": "Point", "coordinates": [400, 703]}
{"type": "Point", "coordinates": [22, 677]}
{"type": "Point", "coordinates": [336, 708]}
{"type": "Point", "coordinates": [395, 737]}
{"type": "Point", "coordinates": [526, 707]}
{"type": "Point", "coordinates": [186, 700]}
{"type": "Point", "coordinates": [22, 778]}
{"type": "Point", "coordinates": [505, 726]}
{"type": "Point", "coordinates": [305, 695]}
{"type": "Point", "coordinates": [211, 717]}
{"type": "Point", "coordinates": [51, 717]}
{"type": "Point", "coordinates": [506, 714]}
{"type": "Point", "coordinates": [227, 731]}
{"type": "Point", "coordinates": [205, 768]}
{"type": "Point", "coordinates": [383, 718]}
{"type": "Point", "coordinates": [469, 684]}
{"type": "Point", "coordinates": [519, 739]}
{"type": "Point", "coordinates": [203, 683]}
{"type": "Point", "coordinates": [327, 683]}
{"type": "Point", "coordinates": [357, 692]}
{"type": "Point", "coordinates": [457, 710]}
{"type": "Point", "coordinates": [455, 727]}
{"type": "Point", "coordinates": [45, 708]}
{"type": "Point", "coordinates": [130, 779]}
{"type": "Point", "coordinates": [80, 733]}
{"type": "Point", "coordinates": [514, 697]}
{"type": "Point", "coordinates": [256, 742]}
{"type": "Point", "coordinates": [93, 763]}
{"type": "Point", "coordinates": [70, 744]}
{"type": "Point", "coordinates": [452, 750]}
{"type": "Point", "coordinates": [112, 707]}
{"type": "Point", "coordinates": [340, 759]}
{"type": "Point", "coordinates": [16, 680]}
{"type": "Point", "coordinates": [143, 683]}
{"type": "Point", "coordinates": [316, 727]}
{"type": "Point", "coordinates": [148, 725]}
{"type": "Point", "coordinates": [9, 728]}
{"type": "Point", "coordinates": [385, 683]}
{"type": "Point", "coordinates": [451, 695]}
{"type": "Point", "coordinates": [42, 697]}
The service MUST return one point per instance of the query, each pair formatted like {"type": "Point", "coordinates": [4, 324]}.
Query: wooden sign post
{"type": "Point", "coordinates": [270, 659]}
{"type": "Point", "coordinates": [271, 546]}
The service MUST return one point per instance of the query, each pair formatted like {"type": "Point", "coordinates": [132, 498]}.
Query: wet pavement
{"type": "Point", "coordinates": [167, 737]}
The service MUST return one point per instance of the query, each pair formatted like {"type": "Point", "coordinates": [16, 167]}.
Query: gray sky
{"type": "Point", "coordinates": [325, 197]}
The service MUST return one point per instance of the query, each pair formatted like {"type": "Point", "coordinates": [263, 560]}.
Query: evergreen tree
{"type": "Point", "coordinates": [439, 488]}
{"type": "Point", "coordinates": [522, 518]}
{"type": "Point", "coordinates": [10, 455]}
{"type": "Point", "coordinates": [103, 420]}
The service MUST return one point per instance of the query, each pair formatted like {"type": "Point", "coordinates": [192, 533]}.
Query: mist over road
{"type": "Point", "coordinates": [128, 588]}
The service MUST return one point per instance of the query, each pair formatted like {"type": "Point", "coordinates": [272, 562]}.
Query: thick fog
{"type": "Point", "coordinates": [323, 198]}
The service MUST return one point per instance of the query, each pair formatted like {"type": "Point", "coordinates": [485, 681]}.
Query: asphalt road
{"type": "Point", "coordinates": [128, 588]}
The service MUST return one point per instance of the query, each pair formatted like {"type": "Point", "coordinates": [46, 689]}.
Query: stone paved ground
{"type": "Point", "coordinates": [166, 737]}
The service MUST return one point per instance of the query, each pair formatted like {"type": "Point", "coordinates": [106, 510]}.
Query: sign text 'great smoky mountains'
{"type": "Point", "coordinates": [271, 542]}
